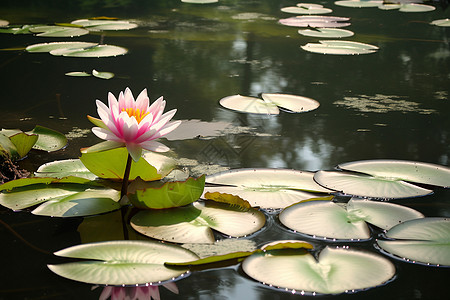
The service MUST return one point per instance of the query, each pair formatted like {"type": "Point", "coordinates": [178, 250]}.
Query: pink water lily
{"type": "Point", "coordinates": [133, 123]}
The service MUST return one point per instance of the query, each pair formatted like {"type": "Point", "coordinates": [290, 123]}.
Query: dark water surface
{"type": "Point", "coordinates": [390, 104]}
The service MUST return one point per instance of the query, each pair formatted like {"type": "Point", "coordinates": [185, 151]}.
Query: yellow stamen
{"type": "Point", "coordinates": [136, 113]}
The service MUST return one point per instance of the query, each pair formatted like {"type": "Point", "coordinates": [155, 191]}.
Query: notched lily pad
{"type": "Point", "coordinates": [316, 21]}
{"type": "Point", "coordinates": [58, 31]}
{"type": "Point", "coordinates": [47, 47]}
{"type": "Point", "coordinates": [94, 51]}
{"type": "Point", "coordinates": [98, 25]}
{"type": "Point", "coordinates": [326, 32]}
{"type": "Point", "coordinates": [424, 241]}
{"type": "Point", "coordinates": [339, 47]}
{"type": "Point", "coordinates": [122, 262]}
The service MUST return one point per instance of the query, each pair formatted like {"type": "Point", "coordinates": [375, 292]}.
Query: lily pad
{"type": "Point", "coordinates": [4, 23]}
{"type": "Point", "coordinates": [266, 188]}
{"type": "Point", "coordinates": [111, 164]}
{"type": "Point", "coordinates": [306, 10]}
{"type": "Point", "coordinates": [357, 184]}
{"type": "Point", "coordinates": [47, 47]}
{"type": "Point", "coordinates": [249, 105]}
{"type": "Point", "coordinates": [416, 7]}
{"type": "Point", "coordinates": [102, 75]}
{"type": "Point", "coordinates": [78, 74]}
{"type": "Point", "coordinates": [339, 47]}
{"type": "Point", "coordinates": [316, 21]}
{"type": "Point", "coordinates": [58, 31]}
{"type": "Point", "coordinates": [326, 219]}
{"type": "Point", "coordinates": [200, 1]}
{"type": "Point", "coordinates": [97, 25]}
{"type": "Point", "coordinates": [94, 51]}
{"type": "Point", "coordinates": [62, 200]}
{"type": "Point", "coordinates": [193, 223]}
{"type": "Point", "coordinates": [23, 142]}
{"type": "Point", "coordinates": [158, 195]}
{"type": "Point", "coordinates": [441, 22]}
{"type": "Point", "coordinates": [292, 103]}
{"type": "Point", "coordinates": [48, 139]}
{"type": "Point", "coordinates": [122, 262]}
{"type": "Point", "coordinates": [326, 32]}
{"type": "Point", "coordinates": [335, 271]}
{"type": "Point", "coordinates": [359, 3]}
{"type": "Point", "coordinates": [63, 168]}
{"type": "Point", "coordinates": [411, 171]}
{"type": "Point", "coordinates": [424, 241]}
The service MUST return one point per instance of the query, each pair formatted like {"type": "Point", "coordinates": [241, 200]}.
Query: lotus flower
{"type": "Point", "coordinates": [134, 124]}
{"type": "Point", "coordinates": [135, 293]}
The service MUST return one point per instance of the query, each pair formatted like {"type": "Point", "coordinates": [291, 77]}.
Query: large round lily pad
{"type": "Point", "coordinates": [335, 271]}
{"type": "Point", "coordinates": [122, 262]}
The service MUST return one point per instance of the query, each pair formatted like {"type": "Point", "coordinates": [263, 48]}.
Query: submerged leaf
{"type": "Point", "coordinates": [122, 262]}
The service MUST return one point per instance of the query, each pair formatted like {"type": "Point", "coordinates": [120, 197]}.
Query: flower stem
{"type": "Point", "coordinates": [123, 192]}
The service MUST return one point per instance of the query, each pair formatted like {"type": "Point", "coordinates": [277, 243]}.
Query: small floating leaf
{"type": "Point", "coordinates": [23, 142]}
{"type": "Point", "coordinates": [158, 195]}
{"type": "Point", "coordinates": [339, 47]}
{"type": "Point", "coordinates": [122, 262]}
{"type": "Point", "coordinates": [359, 3]}
{"type": "Point", "coordinates": [293, 103]}
{"type": "Point", "coordinates": [326, 32]}
{"type": "Point", "coordinates": [335, 270]}
{"type": "Point", "coordinates": [249, 105]}
{"type": "Point", "coordinates": [102, 75]}
{"type": "Point", "coordinates": [287, 244]}
{"type": "Point", "coordinates": [58, 31]}
{"type": "Point", "coordinates": [47, 47]}
{"type": "Point", "coordinates": [95, 51]}
{"type": "Point", "coordinates": [63, 168]}
{"type": "Point", "coordinates": [425, 241]}
{"type": "Point", "coordinates": [232, 200]}
{"type": "Point", "coordinates": [48, 139]}
{"type": "Point", "coordinates": [78, 74]}
{"type": "Point", "coordinates": [7, 148]}
{"type": "Point", "coordinates": [441, 22]}
{"type": "Point", "coordinates": [109, 24]}
{"type": "Point", "coordinates": [3, 23]}
{"type": "Point", "coordinates": [200, 1]}
{"type": "Point", "coordinates": [316, 21]}
{"type": "Point", "coordinates": [415, 7]}
{"type": "Point", "coordinates": [193, 223]}
{"type": "Point", "coordinates": [306, 10]}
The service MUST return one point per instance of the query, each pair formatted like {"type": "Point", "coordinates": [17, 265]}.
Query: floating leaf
{"type": "Point", "coordinates": [340, 47]}
{"type": "Point", "coordinates": [94, 51]}
{"type": "Point", "coordinates": [58, 31]}
{"type": "Point", "coordinates": [368, 186]}
{"type": "Point", "coordinates": [249, 105]}
{"type": "Point", "coordinates": [229, 199]}
{"type": "Point", "coordinates": [193, 223]}
{"type": "Point", "coordinates": [109, 24]}
{"type": "Point", "coordinates": [158, 195]}
{"type": "Point", "coordinates": [359, 3]}
{"type": "Point", "coordinates": [22, 182]}
{"type": "Point", "coordinates": [213, 261]}
{"type": "Point", "coordinates": [102, 75]}
{"type": "Point", "coordinates": [61, 200]}
{"type": "Point", "coordinates": [287, 244]}
{"type": "Point", "coordinates": [390, 6]}
{"type": "Point", "coordinates": [122, 262]}
{"type": "Point", "coordinates": [110, 164]}
{"type": "Point", "coordinates": [63, 168]}
{"type": "Point", "coordinates": [7, 148]}
{"type": "Point", "coordinates": [425, 241]}
{"type": "Point", "coordinates": [47, 47]}
{"type": "Point", "coordinates": [412, 171]}
{"type": "Point", "coordinates": [48, 139]}
{"type": "Point", "coordinates": [326, 32]}
{"type": "Point", "coordinates": [335, 271]}
{"type": "Point", "coordinates": [200, 1]}
{"type": "Point", "coordinates": [325, 219]}
{"type": "Point", "coordinates": [306, 10]}
{"type": "Point", "coordinates": [441, 22]}
{"type": "Point", "coordinates": [415, 7]}
{"type": "Point", "coordinates": [316, 21]}
{"type": "Point", "coordinates": [3, 23]}
{"type": "Point", "coordinates": [78, 74]}
{"type": "Point", "coordinates": [293, 103]}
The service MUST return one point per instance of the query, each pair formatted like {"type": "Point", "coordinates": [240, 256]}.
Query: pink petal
{"type": "Point", "coordinates": [142, 101]}
{"type": "Point", "coordinates": [105, 134]}
{"type": "Point", "coordinates": [146, 136]}
{"type": "Point", "coordinates": [154, 146]}
{"type": "Point", "coordinates": [106, 293]}
{"type": "Point", "coordinates": [135, 151]}
{"type": "Point", "coordinates": [130, 129]}
{"type": "Point", "coordinates": [129, 99]}
{"type": "Point", "coordinates": [171, 286]}
{"type": "Point", "coordinates": [154, 292]}
{"type": "Point", "coordinates": [157, 108]}
{"type": "Point", "coordinates": [166, 129]}
{"type": "Point", "coordinates": [163, 121]}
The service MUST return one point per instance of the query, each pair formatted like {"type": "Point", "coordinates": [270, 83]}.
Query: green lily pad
{"type": "Point", "coordinates": [22, 182]}
{"type": "Point", "coordinates": [390, 6]}
{"type": "Point", "coordinates": [293, 103]}
{"type": "Point", "coordinates": [47, 47]}
{"type": "Point", "coordinates": [306, 10]}
{"type": "Point", "coordinates": [441, 22]}
{"type": "Point", "coordinates": [78, 74]}
{"type": "Point", "coordinates": [111, 164]}
{"type": "Point", "coordinates": [62, 200]}
{"type": "Point", "coordinates": [102, 75]}
{"type": "Point", "coordinates": [359, 3]}
{"type": "Point", "coordinates": [7, 148]}
{"type": "Point", "coordinates": [158, 195]}
{"type": "Point", "coordinates": [193, 223]}
{"type": "Point", "coordinates": [335, 271]}
{"type": "Point", "coordinates": [97, 25]}
{"type": "Point", "coordinates": [416, 7]}
{"type": "Point", "coordinates": [339, 47]}
{"type": "Point", "coordinates": [64, 168]}
{"type": "Point", "coordinates": [326, 32]}
{"type": "Point", "coordinates": [424, 241]}
{"type": "Point", "coordinates": [94, 51]}
{"type": "Point", "coordinates": [325, 219]}
{"type": "Point", "coordinates": [411, 171]}
{"type": "Point", "coordinates": [249, 105]}
{"type": "Point", "coordinates": [122, 262]}
{"type": "Point", "coordinates": [200, 1]}
{"type": "Point", "coordinates": [48, 139]}
{"type": "Point", "coordinates": [368, 186]}
{"type": "Point", "coordinates": [58, 31]}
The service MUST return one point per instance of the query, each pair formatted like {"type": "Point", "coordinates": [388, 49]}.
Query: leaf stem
{"type": "Point", "coordinates": [123, 192]}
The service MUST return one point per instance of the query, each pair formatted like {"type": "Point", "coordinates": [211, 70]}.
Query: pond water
{"type": "Point", "coordinates": [391, 104]}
